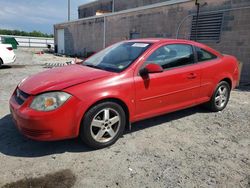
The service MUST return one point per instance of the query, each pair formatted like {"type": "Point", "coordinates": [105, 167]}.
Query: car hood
{"type": "Point", "coordinates": [60, 78]}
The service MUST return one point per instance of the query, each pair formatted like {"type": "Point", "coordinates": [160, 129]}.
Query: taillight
{"type": "Point", "coordinates": [9, 48]}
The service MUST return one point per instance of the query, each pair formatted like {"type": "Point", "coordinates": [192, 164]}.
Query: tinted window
{"type": "Point", "coordinates": [204, 55]}
{"type": "Point", "coordinates": [117, 57]}
{"type": "Point", "coordinates": [174, 55]}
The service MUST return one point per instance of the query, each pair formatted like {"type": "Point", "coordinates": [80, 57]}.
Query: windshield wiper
{"type": "Point", "coordinates": [93, 66]}
{"type": "Point", "coordinates": [101, 68]}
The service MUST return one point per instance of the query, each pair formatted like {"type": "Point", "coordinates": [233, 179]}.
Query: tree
{"type": "Point", "coordinates": [24, 33]}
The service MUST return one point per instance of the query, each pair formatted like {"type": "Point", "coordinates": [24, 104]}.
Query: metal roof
{"type": "Point", "coordinates": [91, 3]}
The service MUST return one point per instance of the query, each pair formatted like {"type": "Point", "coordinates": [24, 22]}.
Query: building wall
{"type": "Point", "coordinates": [82, 37]}
{"type": "Point", "coordinates": [164, 21]}
{"type": "Point", "coordinates": [157, 22]}
{"type": "Point", "coordinates": [235, 38]}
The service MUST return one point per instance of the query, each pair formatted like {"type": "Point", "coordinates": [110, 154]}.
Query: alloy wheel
{"type": "Point", "coordinates": [105, 125]}
{"type": "Point", "coordinates": [221, 96]}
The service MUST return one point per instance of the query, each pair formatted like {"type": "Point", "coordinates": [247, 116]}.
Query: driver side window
{"type": "Point", "coordinates": [173, 55]}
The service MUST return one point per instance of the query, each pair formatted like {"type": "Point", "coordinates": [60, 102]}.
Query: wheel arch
{"type": "Point", "coordinates": [228, 80]}
{"type": "Point", "coordinates": [220, 78]}
{"type": "Point", "coordinates": [211, 103]}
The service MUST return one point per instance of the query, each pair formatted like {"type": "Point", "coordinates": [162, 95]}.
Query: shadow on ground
{"type": "Point", "coordinates": [12, 66]}
{"type": "Point", "coordinates": [243, 88]}
{"type": "Point", "coordinates": [12, 143]}
{"type": "Point", "coordinates": [165, 118]}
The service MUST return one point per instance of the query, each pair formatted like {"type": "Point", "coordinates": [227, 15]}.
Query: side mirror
{"type": "Point", "coordinates": [151, 68]}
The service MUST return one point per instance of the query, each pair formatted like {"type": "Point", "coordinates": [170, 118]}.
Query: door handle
{"type": "Point", "coordinates": [192, 76]}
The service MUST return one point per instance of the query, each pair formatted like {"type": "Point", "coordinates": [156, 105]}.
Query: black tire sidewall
{"type": "Point", "coordinates": [1, 62]}
{"type": "Point", "coordinates": [85, 130]}
{"type": "Point", "coordinates": [213, 105]}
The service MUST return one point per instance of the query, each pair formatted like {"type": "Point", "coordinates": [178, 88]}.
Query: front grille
{"type": "Point", "coordinates": [36, 133]}
{"type": "Point", "coordinates": [20, 96]}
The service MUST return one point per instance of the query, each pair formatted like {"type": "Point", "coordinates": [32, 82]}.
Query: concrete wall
{"type": "Point", "coordinates": [157, 22]}
{"type": "Point", "coordinates": [82, 36]}
{"type": "Point", "coordinates": [87, 35]}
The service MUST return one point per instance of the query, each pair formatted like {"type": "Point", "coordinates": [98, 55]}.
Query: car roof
{"type": "Point", "coordinates": [165, 40]}
{"type": "Point", "coordinates": [158, 40]}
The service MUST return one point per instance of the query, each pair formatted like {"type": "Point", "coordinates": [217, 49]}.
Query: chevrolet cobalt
{"type": "Point", "coordinates": [126, 82]}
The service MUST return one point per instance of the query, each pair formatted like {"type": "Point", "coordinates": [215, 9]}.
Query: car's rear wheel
{"type": "Point", "coordinates": [103, 124]}
{"type": "Point", "coordinates": [220, 97]}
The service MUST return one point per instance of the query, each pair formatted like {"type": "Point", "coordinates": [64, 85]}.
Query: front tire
{"type": "Point", "coordinates": [102, 125]}
{"type": "Point", "coordinates": [1, 62]}
{"type": "Point", "coordinates": [220, 97]}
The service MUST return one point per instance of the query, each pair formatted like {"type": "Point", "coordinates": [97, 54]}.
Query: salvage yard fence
{"type": "Point", "coordinates": [31, 42]}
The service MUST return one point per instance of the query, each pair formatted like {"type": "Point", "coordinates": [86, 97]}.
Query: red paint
{"type": "Point", "coordinates": [60, 78]}
{"type": "Point", "coordinates": [154, 68]}
{"type": "Point", "coordinates": [158, 93]}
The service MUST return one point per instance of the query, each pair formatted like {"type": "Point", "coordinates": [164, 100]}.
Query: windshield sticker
{"type": "Point", "coordinates": [120, 67]}
{"type": "Point", "coordinates": [140, 45]}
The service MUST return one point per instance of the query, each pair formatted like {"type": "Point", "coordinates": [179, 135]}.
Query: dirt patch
{"type": "Point", "coordinates": [60, 179]}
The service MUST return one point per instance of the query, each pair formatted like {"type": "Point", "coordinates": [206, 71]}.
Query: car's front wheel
{"type": "Point", "coordinates": [220, 97]}
{"type": "Point", "coordinates": [103, 124]}
{"type": "Point", "coordinates": [1, 62]}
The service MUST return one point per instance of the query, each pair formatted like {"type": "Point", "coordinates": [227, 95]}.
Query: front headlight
{"type": "Point", "coordinates": [49, 101]}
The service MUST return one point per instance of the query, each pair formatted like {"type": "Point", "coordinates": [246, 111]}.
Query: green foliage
{"type": "Point", "coordinates": [24, 33]}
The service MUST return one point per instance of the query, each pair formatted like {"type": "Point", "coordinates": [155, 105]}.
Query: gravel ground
{"type": "Point", "coordinates": [189, 148]}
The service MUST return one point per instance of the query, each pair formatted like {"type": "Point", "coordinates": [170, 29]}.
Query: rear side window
{"type": "Point", "coordinates": [204, 55]}
{"type": "Point", "coordinates": [173, 55]}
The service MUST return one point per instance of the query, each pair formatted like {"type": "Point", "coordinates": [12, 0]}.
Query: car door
{"type": "Point", "coordinates": [174, 88]}
{"type": "Point", "coordinates": [210, 66]}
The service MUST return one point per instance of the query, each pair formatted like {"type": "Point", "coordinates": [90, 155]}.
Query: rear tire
{"type": "Point", "coordinates": [103, 125]}
{"type": "Point", "coordinates": [220, 97]}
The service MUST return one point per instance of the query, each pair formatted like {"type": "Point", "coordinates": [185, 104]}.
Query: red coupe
{"type": "Point", "coordinates": [126, 82]}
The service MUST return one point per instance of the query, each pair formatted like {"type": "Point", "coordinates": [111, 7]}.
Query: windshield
{"type": "Point", "coordinates": [117, 57]}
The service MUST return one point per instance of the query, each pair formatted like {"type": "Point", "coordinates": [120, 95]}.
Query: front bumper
{"type": "Point", "coordinates": [12, 59]}
{"type": "Point", "coordinates": [62, 123]}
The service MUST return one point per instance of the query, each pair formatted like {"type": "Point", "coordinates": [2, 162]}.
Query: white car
{"type": "Point", "coordinates": [7, 54]}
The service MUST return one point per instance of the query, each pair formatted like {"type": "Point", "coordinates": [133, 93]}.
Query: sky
{"type": "Point", "coordinates": [40, 15]}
